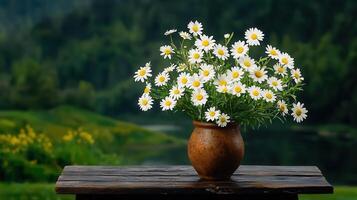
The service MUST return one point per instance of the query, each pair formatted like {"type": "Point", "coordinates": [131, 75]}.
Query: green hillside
{"type": "Point", "coordinates": [35, 145]}
{"type": "Point", "coordinates": [58, 121]}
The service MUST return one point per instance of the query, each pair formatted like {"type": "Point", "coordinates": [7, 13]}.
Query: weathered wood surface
{"type": "Point", "coordinates": [183, 180]}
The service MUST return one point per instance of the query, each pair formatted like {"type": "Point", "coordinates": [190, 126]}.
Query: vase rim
{"type": "Point", "coordinates": [213, 125]}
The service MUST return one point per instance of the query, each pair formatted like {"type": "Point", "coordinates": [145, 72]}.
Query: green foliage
{"type": "Point", "coordinates": [33, 84]}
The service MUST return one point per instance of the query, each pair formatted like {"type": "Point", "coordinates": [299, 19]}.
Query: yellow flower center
{"type": "Point", "coordinates": [247, 63]}
{"type": "Point", "coordinates": [168, 103]}
{"type": "Point", "coordinates": [274, 83]}
{"type": "Point", "coordinates": [240, 50]}
{"type": "Point", "coordinates": [195, 28]}
{"type": "Point", "coordinates": [235, 74]}
{"type": "Point", "coordinates": [254, 36]}
{"type": "Point", "coordinates": [205, 43]}
{"type": "Point", "coordinates": [199, 97]}
{"type": "Point", "coordinates": [176, 91]}
{"type": "Point", "coordinates": [282, 107]}
{"type": "Point", "coordinates": [184, 80]}
{"type": "Point", "coordinates": [268, 96]}
{"type": "Point", "coordinates": [206, 73]}
{"type": "Point", "coordinates": [220, 52]}
{"type": "Point", "coordinates": [298, 112]}
{"type": "Point", "coordinates": [142, 72]}
{"type": "Point", "coordinates": [225, 89]}
{"type": "Point", "coordinates": [222, 82]}
{"type": "Point", "coordinates": [147, 90]}
{"type": "Point", "coordinates": [273, 52]}
{"type": "Point", "coordinates": [280, 69]}
{"type": "Point", "coordinates": [284, 61]}
{"type": "Point", "coordinates": [196, 83]}
{"type": "Point", "coordinates": [144, 102]}
{"type": "Point", "coordinates": [258, 74]}
{"type": "Point", "coordinates": [212, 113]}
{"type": "Point", "coordinates": [161, 79]}
{"type": "Point", "coordinates": [222, 119]}
{"type": "Point", "coordinates": [196, 55]}
{"type": "Point", "coordinates": [296, 75]}
{"type": "Point", "coordinates": [255, 93]}
{"type": "Point", "coordinates": [237, 89]}
{"type": "Point", "coordinates": [167, 51]}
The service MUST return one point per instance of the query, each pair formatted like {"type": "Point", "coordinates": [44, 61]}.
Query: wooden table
{"type": "Point", "coordinates": [182, 182]}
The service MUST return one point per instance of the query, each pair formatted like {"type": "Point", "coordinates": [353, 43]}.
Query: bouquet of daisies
{"type": "Point", "coordinates": [219, 82]}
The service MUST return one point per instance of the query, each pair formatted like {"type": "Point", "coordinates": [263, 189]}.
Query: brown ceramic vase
{"type": "Point", "coordinates": [215, 152]}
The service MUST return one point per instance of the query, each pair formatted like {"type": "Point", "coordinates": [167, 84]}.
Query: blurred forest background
{"type": "Point", "coordinates": [66, 72]}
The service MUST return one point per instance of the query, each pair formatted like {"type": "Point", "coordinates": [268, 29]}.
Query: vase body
{"type": "Point", "coordinates": [215, 152]}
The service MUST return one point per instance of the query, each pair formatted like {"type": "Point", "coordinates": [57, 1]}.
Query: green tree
{"type": "Point", "coordinates": [34, 85]}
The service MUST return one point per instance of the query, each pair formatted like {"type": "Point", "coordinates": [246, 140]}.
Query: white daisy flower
{"type": "Point", "coordinates": [239, 49]}
{"type": "Point", "coordinates": [183, 79]}
{"type": "Point", "coordinates": [166, 51]}
{"type": "Point", "coordinates": [195, 56]}
{"type": "Point", "coordinates": [143, 73]}
{"type": "Point", "coordinates": [169, 32]}
{"type": "Point", "coordinates": [205, 43]}
{"type": "Point", "coordinates": [227, 35]}
{"type": "Point", "coordinates": [195, 28]}
{"type": "Point", "coordinates": [268, 96]}
{"type": "Point", "coordinates": [255, 92]}
{"type": "Point", "coordinates": [222, 80]}
{"type": "Point", "coordinates": [280, 69]}
{"type": "Point", "coordinates": [275, 83]}
{"type": "Point", "coordinates": [254, 36]}
{"type": "Point", "coordinates": [145, 102]}
{"type": "Point", "coordinates": [247, 63]}
{"type": "Point", "coordinates": [147, 88]}
{"type": "Point", "coordinates": [299, 112]}
{"type": "Point", "coordinates": [223, 88]}
{"type": "Point", "coordinates": [238, 89]}
{"type": "Point", "coordinates": [196, 82]}
{"type": "Point", "coordinates": [199, 97]}
{"type": "Point", "coordinates": [212, 114]}
{"type": "Point", "coordinates": [283, 108]}
{"type": "Point", "coordinates": [258, 74]}
{"type": "Point", "coordinates": [296, 75]}
{"type": "Point", "coordinates": [286, 60]}
{"type": "Point", "coordinates": [235, 73]}
{"type": "Point", "coordinates": [176, 92]}
{"type": "Point", "coordinates": [185, 35]}
{"type": "Point", "coordinates": [223, 120]}
{"type": "Point", "coordinates": [161, 79]}
{"type": "Point", "coordinates": [206, 72]}
{"type": "Point", "coordinates": [168, 103]}
{"type": "Point", "coordinates": [221, 52]}
{"type": "Point", "coordinates": [272, 52]}
{"type": "Point", "coordinates": [169, 69]}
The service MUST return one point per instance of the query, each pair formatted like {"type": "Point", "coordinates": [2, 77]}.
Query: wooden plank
{"type": "Point", "coordinates": [188, 171]}
{"type": "Point", "coordinates": [183, 180]}
{"type": "Point", "coordinates": [139, 178]}
{"type": "Point", "coordinates": [188, 168]}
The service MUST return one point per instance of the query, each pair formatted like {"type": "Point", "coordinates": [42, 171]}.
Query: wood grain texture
{"type": "Point", "coordinates": [183, 180]}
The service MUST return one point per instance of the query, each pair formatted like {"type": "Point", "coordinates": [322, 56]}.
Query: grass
{"type": "Point", "coordinates": [45, 191]}
{"type": "Point", "coordinates": [340, 193]}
